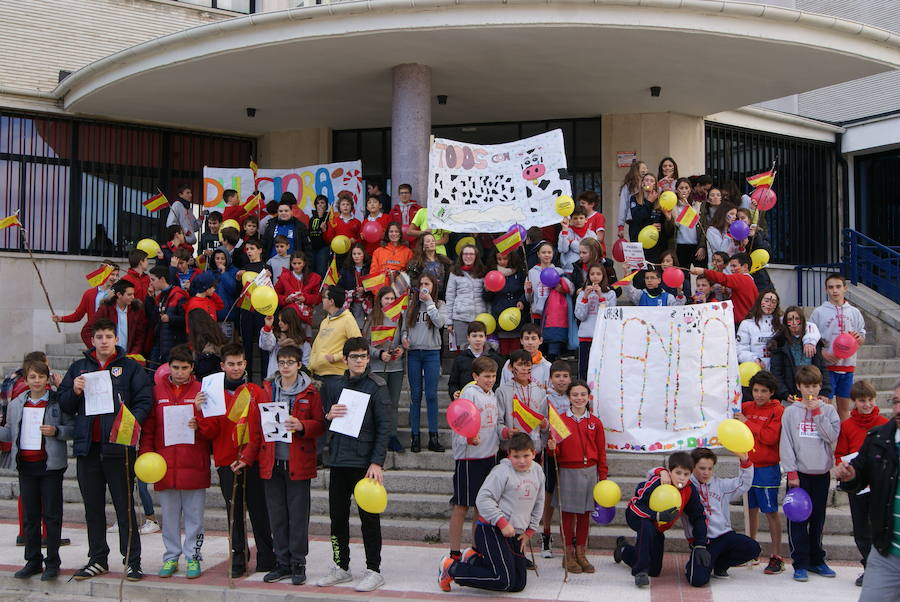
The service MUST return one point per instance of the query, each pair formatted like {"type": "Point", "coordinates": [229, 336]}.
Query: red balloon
{"type": "Point", "coordinates": [673, 277]}
{"type": "Point", "coordinates": [618, 252]}
{"type": "Point", "coordinates": [162, 373]}
{"type": "Point", "coordinates": [464, 418]}
{"type": "Point", "coordinates": [844, 345]}
{"type": "Point", "coordinates": [371, 231]}
{"type": "Point", "coordinates": [765, 198]}
{"type": "Point", "coordinates": [494, 281]}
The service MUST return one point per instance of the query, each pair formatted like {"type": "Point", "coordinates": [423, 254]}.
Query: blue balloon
{"type": "Point", "coordinates": [739, 230]}
{"type": "Point", "coordinates": [602, 515]}
{"type": "Point", "coordinates": [797, 505]}
{"type": "Point", "coordinates": [549, 277]}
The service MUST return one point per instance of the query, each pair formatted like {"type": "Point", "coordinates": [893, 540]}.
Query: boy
{"type": "Point", "coordinates": [540, 367]}
{"type": "Point", "coordinates": [287, 467]}
{"type": "Point", "coordinates": [339, 326]}
{"type": "Point", "coordinates": [703, 291]}
{"type": "Point", "coordinates": [174, 242]}
{"type": "Point", "coordinates": [833, 317]}
{"type": "Point", "coordinates": [182, 214]}
{"type": "Point", "coordinates": [809, 430]}
{"type": "Point", "coordinates": [739, 281]}
{"type": "Point", "coordinates": [374, 213]}
{"type": "Point", "coordinates": [560, 379]}
{"type": "Point", "coordinates": [182, 491]}
{"type": "Point", "coordinates": [404, 211]}
{"type": "Point", "coordinates": [461, 370]}
{"type": "Point", "coordinates": [233, 209]}
{"type": "Point", "coordinates": [763, 417]}
{"type": "Point", "coordinates": [170, 301]}
{"type": "Point", "coordinates": [646, 555]}
{"type": "Point", "coordinates": [864, 417]}
{"type": "Point", "coordinates": [589, 202]}
{"type": "Point", "coordinates": [474, 457]}
{"type": "Point", "coordinates": [41, 467]}
{"type": "Point", "coordinates": [239, 484]}
{"type": "Point", "coordinates": [281, 260]}
{"type": "Point", "coordinates": [509, 509]}
{"type": "Point", "coordinates": [233, 244]}
{"type": "Point", "coordinates": [209, 240]}
{"type": "Point", "coordinates": [523, 388]}
{"type": "Point", "coordinates": [574, 230]}
{"type": "Point", "coordinates": [137, 274]}
{"type": "Point", "coordinates": [653, 295]}
{"type": "Point", "coordinates": [183, 271]}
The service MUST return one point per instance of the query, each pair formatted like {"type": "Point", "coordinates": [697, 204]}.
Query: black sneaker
{"type": "Point", "coordinates": [29, 570]}
{"type": "Point", "coordinates": [721, 573]}
{"type": "Point", "coordinates": [298, 575]}
{"type": "Point", "coordinates": [278, 573]}
{"type": "Point", "coordinates": [546, 545]}
{"type": "Point", "coordinates": [238, 570]}
{"type": "Point", "coordinates": [65, 541]}
{"type": "Point", "coordinates": [50, 573]}
{"type": "Point", "coordinates": [92, 569]}
{"type": "Point", "coordinates": [642, 580]}
{"type": "Point", "coordinates": [859, 580]}
{"type": "Point", "coordinates": [20, 540]}
{"type": "Point", "coordinates": [621, 542]}
{"type": "Point", "coordinates": [395, 446]}
{"type": "Point", "coordinates": [134, 572]}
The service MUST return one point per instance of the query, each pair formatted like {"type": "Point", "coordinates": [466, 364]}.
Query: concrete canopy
{"type": "Point", "coordinates": [330, 65]}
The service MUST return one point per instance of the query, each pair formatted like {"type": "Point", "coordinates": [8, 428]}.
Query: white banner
{"type": "Point", "coordinates": [305, 182]}
{"type": "Point", "coordinates": [663, 378]}
{"type": "Point", "coordinates": [488, 188]}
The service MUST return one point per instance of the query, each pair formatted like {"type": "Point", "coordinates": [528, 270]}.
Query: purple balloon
{"type": "Point", "coordinates": [601, 515]}
{"type": "Point", "coordinates": [739, 230]}
{"type": "Point", "coordinates": [549, 277]}
{"type": "Point", "coordinates": [521, 230]}
{"type": "Point", "coordinates": [797, 505]}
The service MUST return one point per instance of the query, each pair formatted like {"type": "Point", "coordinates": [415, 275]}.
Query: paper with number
{"type": "Point", "coordinates": [98, 393]}
{"type": "Point", "coordinates": [30, 437]}
{"type": "Point", "coordinates": [213, 387]}
{"type": "Point", "coordinates": [846, 460]}
{"type": "Point", "coordinates": [271, 420]}
{"type": "Point", "coordinates": [175, 422]}
{"type": "Point", "coordinates": [357, 403]}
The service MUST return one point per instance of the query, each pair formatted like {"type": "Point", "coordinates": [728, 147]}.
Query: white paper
{"type": "Point", "coordinates": [98, 393]}
{"type": "Point", "coordinates": [175, 422]}
{"type": "Point", "coordinates": [634, 254]}
{"type": "Point", "coordinates": [351, 422]}
{"type": "Point", "coordinates": [213, 387]}
{"type": "Point", "coordinates": [846, 460]}
{"type": "Point", "coordinates": [271, 420]}
{"type": "Point", "coordinates": [30, 437]}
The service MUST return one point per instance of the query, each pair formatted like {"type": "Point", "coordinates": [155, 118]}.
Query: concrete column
{"type": "Point", "coordinates": [410, 128]}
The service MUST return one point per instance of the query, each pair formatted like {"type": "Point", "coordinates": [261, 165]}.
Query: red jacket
{"type": "Point", "coordinates": [853, 431]}
{"type": "Point", "coordinates": [85, 308]}
{"type": "Point", "coordinates": [384, 220]}
{"type": "Point", "coordinates": [743, 291]}
{"type": "Point", "coordinates": [221, 431]}
{"type": "Point", "coordinates": [340, 227]}
{"type": "Point", "coordinates": [235, 212]}
{"type": "Point", "coordinates": [141, 283]}
{"type": "Point", "coordinates": [307, 408]}
{"type": "Point", "coordinates": [586, 446]}
{"type": "Point", "coordinates": [765, 424]}
{"type": "Point", "coordinates": [404, 214]}
{"type": "Point", "coordinates": [137, 323]}
{"type": "Point", "coordinates": [187, 464]}
{"type": "Point", "coordinates": [210, 305]}
{"type": "Point", "coordinates": [288, 284]}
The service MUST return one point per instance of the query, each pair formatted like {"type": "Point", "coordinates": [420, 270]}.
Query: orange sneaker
{"type": "Point", "coordinates": [444, 578]}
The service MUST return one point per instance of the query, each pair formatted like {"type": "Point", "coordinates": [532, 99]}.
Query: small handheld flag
{"type": "Point", "coordinates": [558, 428]}
{"type": "Point", "coordinates": [241, 429]}
{"type": "Point", "coordinates": [138, 358]}
{"type": "Point", "coordinates": [380, 334]}
{"type": "Point", "coordinates": [331, 277]}
{"type": "Point", "coordinates": [239, 407]}
{"type": "Point", "coordinates": [12, 220]}
{"type": "Point", "coordinates": [626, 280]}
{"type": "Point", "coordinates": [253, 167]}
{"type": "Point", "coordinates": [396, 308]}
{"type": "Point", "coordinates": [100, 275]}
{"type": "Point", "coordinates": [373, 282]}
{"type": "Point", "coordinates": [688, 217]}
{"type": "Point", "coordinates": [156, 202]}
{"type": "Point", "coordinates": [125, 429]}
{"type": "Point", "coordinates": [527, 418]}
{"type": "Point", "coordinates": [765, 178]}
{"type": "Point", "coordinates": [508, 242]}
{"type": "Point", "coordinates": [251, 204]}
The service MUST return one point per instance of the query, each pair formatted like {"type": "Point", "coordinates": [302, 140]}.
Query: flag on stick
{"type": "Point", "coordinates": [125, 429]}
{"type": "Point", "coordinates": [765, 178]}
{"type": "Point", "coordinates": [12, 220]}
{"type": "Point", "coordinates": [527, 418]}
{"type": "Point", "coordinates": [242, 428]}
{"type": "Point", "coordinates": [253, 167]}
{"type": "Point", "coordinates": [251, 204]}
{"type": "Point", "coordinates": [688, 217]}
{"type": "Point", "coordinates": [508, 242]}
{"type": "Point", "coordinates": [156, 202]}
{"type": "Point", "coordinates": [239, 407]}
{"type": "Point", "coordinates": [558, 428]}
{"type": "Point", "coordinates": [331, 277]}
{"type": "Point", "coordinates": [373, 282]}
{"type": "Point", "coordinates": [627, 279]}
{"type": "Point", "coordinates": [396, 308]}
{"type": "Point", "coordinates": [100, 275]}
{"type": "Point", "coordinates": [380, 334]}
{"type": "Point", "coordinates": [138, 358]}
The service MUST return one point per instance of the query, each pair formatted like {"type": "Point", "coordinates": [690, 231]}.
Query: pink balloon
{"type": "Point", "coordinates": [464, 418]}
{"type": "Point", "coordinates": [162, 373]}
{"type": "Point", "coordinates": [673, 277]}
{"type": "Point", "coordinates": [494, 281]}
{"type": "Point", "coordinates": [371, 231]}
{"type": "Point", "coordinates": [618, 251]}
{"type": "Point", "coordinates": [765, 198]}
{"type": "Point", "coordinates": [844, 345]}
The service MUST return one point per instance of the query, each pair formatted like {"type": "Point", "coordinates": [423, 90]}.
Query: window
{"type": "Point", "coordinates": [238, 6]}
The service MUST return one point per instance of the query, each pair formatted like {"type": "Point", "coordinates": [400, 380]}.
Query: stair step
{"type": "Point", "coordinates": [876, 351]}
{"type": "Point", "coordinates": [74, 337]}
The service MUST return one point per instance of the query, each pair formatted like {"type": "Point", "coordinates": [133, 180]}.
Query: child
{"type": "Point", "coordinates": [465, 294]}
{"type": "Point", "coordinates": [591, 300]}
{"type": "Point", "coordinates": [281, 260]}
{"type": "Point", "coordinates": [653, 294]}
{"type": "Point", "coordinates": [406, 209]}
{"type": "Point", "coordinates": [476, 456]}
{"type": "Point", "coordinates": [234, 247]}
{"type": "Point", "coordinates": [174, 243]}
{"type": "Point", "coordinates": [703, 291]}
{"type": "Point", "coordinates": [374, 214]}
{"type": "Point", "coordinates": [582, 462]}
{"type": "Point", "coordinates": [509, 508]}
{"type": "Point", "coordinates": [809, 430]}
{"type": "Point", "coordinates": [387, 354]}
{"type": "Point", "coordinates": [183, 271]}
{"type": "Point", "coordinates": [90, 303]}
{"type": "Point", "coordinates": [356, 267]}
{"type": "Point", "coordinates": [557, 394]}
{"type": "Point", "coordinates": [864, 417]}
{"type": "Point", "coordinates": [836, 316]}
{"type": "Point", "coordinates": [719, 262]}
{"type": "Point", "coordinates": [574, 230]}
{"type": "Point", "coordinates": [287, 468]}
{"type": "Point", "coordinates": [233, 209]}
{"type": "Point", "coordinates": [667, 259]}
{"type": "Point", "coordinates": [392, 256]}
{"type": "Point", "coordinates": [300, 288]}
{"type": "Point", "coordinates": [549, 307]}
{"type": "Point", "coordinates": [182, 491]}
{"type": "Point", "coordinates": [343, 223]}
{"type": "Point", "coordinates": [523, 388]}
{"type": "Point", "coordinates": [250, 227]}
{"type": "Point", "coordinates": [461, 370]}
{"type": "Point", "coordinates": [136, 274]}
{"type": "Point", "coordinates": [291, 333]}
{"type": "Point", "coordinates": [204, 296]}
{"type": "Point", "coordinates": [739, 282]}
{"type": "Point", "coordinates": [645, 557]}
{"type": "Point", "coordinates": [251, 320]}
{"type": "Point", "coordinates": [540, 366]}
{"type": "Point", "coordinates": [170, 302]}
{"type": "Point", "coordinates": [126, 312]}
{"type": "Point", "coordinates": [511, 295]}
{"type": "Point", "coordinates": [318, 224]}
{"type": "Point", "coordinates": [209, 240]}
{"type": "Point", "coordinates": [40, 470]}
{"type": "Point", "coordinates": [763, 417]}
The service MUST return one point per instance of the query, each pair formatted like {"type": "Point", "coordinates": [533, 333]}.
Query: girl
{"type": "Point", "coordinates": [251, 227]}
{"type": "Point", "coordinates": [667, 174]}
{"type": "Point", "coordinates": [549, 307]}
{"type": "Point", "coordinates": [649, 213]}
{"type": "Point", "coordinates": [755, 331]}
{"type": "Point", "coordinates": [344, 223]}
{"type": "Point", "coordinates": [427, 259]}
{"type": "Point", "coordinates": [374, 214]}
{"type": "Point", "coordinates": [589, 252]}
{"type": "Point", "coordinates": [574, 230]}
{"type": "Point", "coordinates": [393, 255]}
{"type": "Point", "coordinates": [700, 187]}
{"type": "Point", "coordinates": [291, 333]}
{"type": "Point", "coordinates": [465, 294]}
{"type": "Point", "coordinates": [668, 260]}
{"type": "Point", "coordinates": [591, 300]}
{"type": "Point", "coordinates": [359, 301]}
{"type": "Point", "coordinates": [421, 334]}
{"type": "Point", "coordinates": [717, 237]}
{"type": "Point", "coordinates": [687, 247]}
{"type": "Point", "coordinates": [630, 187]}
{"type": "Point", "coordinates": [581, 458]}
{"type": "Point", "coordinates": [387, 355]}
{"type": "Point", "coordinates": [206, 340]}
{"type": "Point", "coordinates": [299, 288]}
{"type": "Point", "coordinates": [791, 348]}
{"type": "Point", "coordinates": [641, 204]}
{"type": "Point", "coordinates": [511, 295]}
{"type": "Point", "coordinates": [90, 303]}
{"type": "Point", "coordinates": [318, 224]}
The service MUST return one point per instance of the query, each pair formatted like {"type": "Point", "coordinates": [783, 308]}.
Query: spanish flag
{"type": "Point", "coordinates": [396, 308]}
{"type": "Point", "coordinates": [527, 418]}
{"type": "Point", "coordinates": [242, 428]}
{"type": "Point", "coordinates": [253, 167]}
{"type": "Point", "coordinates": [100, 275]}
{"type": "Point", "coordinates": [138, 358]}
{"type": "Point", "coordinates": [331, 277]}
{"type": "Point", "coordinates": [251, 204]}
{"type": "Point", "coordinates": [688, 217]}
{"type": "Point", "coordinates": [558, 428]}
{"type": "Point", "coordinates": [373, 282]}
{"type": "Point", "coordinates": [508, 242]}
{"type": "Point", "coordinates": [380, 334]}
{"type": "Point", "coordinates": [156, 202]}
{"type": "Point", "coordinates": [765, 178]}
{"type": "Point", "coordinates": [245, 302]}
{"type": "Point", "coordinates": [12, 220]}
{"type": "Point", "coordinates": [239, 407]}
{"type": "Point", "coordinates": [626, 280]}
{"type": "Point", "coordinates": [125, 429]}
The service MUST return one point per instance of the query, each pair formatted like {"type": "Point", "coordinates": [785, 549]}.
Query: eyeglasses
{"type": "Point", "coordinates": [285, 363]}
{"type": "Point", "coordinates": [358, 356]}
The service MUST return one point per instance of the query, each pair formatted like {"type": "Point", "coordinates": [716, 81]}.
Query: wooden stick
{"type": "Point", "coordinates": [129, 486]}
{"type": "Point", "coordinates": [24, 234]}
{"type": "Point", "coordinates": [234, 478]}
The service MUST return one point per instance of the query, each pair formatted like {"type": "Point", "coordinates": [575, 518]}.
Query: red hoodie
{"type": "Point", "coordinates": [743, 291]}
{"type": "Point", "coordinates": [764, 421]}
{"type": "Point", "coordinates": [141, 283]}
{"type": "Point", "coordinates": [310, 286]}
{"type": "Point", "coordinates": [350, 229]}
{"type": "Point", "coordinates": [853, 431]}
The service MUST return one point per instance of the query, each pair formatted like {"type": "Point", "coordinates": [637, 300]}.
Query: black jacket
{"type": "Point", "coordinates": [461, 370]}
{"type": "Point", "coordinates": [513, 292]}
{"type": "Point", "coordinates": [130, 384]}
{"type": "Point", "coordinates": [301, 237]}
{"type": "Point", "coordinates": [782, 367]}
{"type": "Point", "coordinates": [370, 447]}
{"type": "Point", "coordinates": [876, 466]}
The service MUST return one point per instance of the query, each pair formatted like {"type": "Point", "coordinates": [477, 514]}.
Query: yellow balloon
{"type": "Point", "coordinates": [607, 493]}
{"type": "Point", "coordinates": [230, 223]}
{"type": "Point", "coordinates": [735, 436]}
{"type": "Point", "coordinates": [489, 322]}
{"type": "Point", "coordinates": [150, 467]}
{"type": "Point", "coordinates": [148, 246]}
{"type": "Point", "coordinates": [264, 300]}
{"type": "Point", "coordinates": [665, 497]}
{"type": "Point", "coordinates": [746, 370]}
{"type": "Point", "coordinates": [667, 200]}
{"type": "Point", "coordinates": [510, 318]}
{"type": "Point", "coordinates": [648, 237]}
{"type": "Point", "coordinates": [371, 496]}
{"type": "Point", "coordinates": [565, 205]}
{"type": "Point", "coordinates": [466, 240]}
{"type": "Point", "coordinates": [248, 276]}
{"type": "Point", "coordinates": [759, 259]}
{"type": "Point", "coordinates": [340, 244]}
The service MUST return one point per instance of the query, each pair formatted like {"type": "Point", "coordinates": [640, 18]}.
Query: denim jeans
{"type": "Point", "coordinates": [321, 257]}
{"type": "Point", "coordinates": [146, 498]}
{"type": "Point", "coordinates": [423, 364]}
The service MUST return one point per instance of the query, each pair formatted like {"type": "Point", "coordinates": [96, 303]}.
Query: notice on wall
{"type": "Point", "coordinates": [625, 158]}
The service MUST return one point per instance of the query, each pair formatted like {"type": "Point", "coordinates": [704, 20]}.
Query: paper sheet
{"type": "Point", "coordinates": [846, 460]}
{"type": "Point", "coordinates": [213, 386]}
{"type": "Point", "coordinates": [634, 255]}
{"type": "Point", "coordinates": [30, 436]}
{"type": "Point", "coordinates": [351, 422]}
{"type": "Point", "coordinates": [98, 393]}
{"type": "Point", "coordinates": [271, 420]}
{"type": "Point", "coordinates": [175, 421]}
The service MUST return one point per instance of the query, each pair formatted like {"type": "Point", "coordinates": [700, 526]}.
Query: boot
{"type": "Point", "coordinates": [415, 444]}
{"type": "Point", "coordinates": [433, 443]}
{"type": "Point", "coordinates": [581, 559]}
{"type": "Point", "coordinates": [569, 563]}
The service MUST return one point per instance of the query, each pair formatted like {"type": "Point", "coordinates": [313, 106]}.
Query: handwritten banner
{"type": "Point", "coordinates": [488, 188]}
{"type": "Point", "coordinates": [663, 378]}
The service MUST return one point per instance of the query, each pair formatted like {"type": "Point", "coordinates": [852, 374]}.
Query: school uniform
{"type": "Point", "coordinates": [475, 462]}
{"type": "Point", "coordinates": [765, 423]}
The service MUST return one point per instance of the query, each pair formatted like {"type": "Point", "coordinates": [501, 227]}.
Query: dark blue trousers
{"type": "Point", "coordinates": [727, 550]}
{"type": "Point", "coordinates": [646, 555]}
{"type": "Point", "coordinates": [501, 566]}
{"type": "Point", "coordinates": [806, 537]}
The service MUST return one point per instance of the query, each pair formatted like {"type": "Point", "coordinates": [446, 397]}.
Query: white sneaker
{"type": "Point", "coordinates": [337, 575]}
{"type": "Point", "coordinates": [370, 582]}
{"type": "Point", "coordinates": [149, 526]}
{"type": "Point", "coordinates": [113, 528]}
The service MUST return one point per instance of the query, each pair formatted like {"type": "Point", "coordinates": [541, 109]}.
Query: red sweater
{"type": "Point", "coordinates": [586, 446]}
{"type": "Point", "coordinates": [349, 229]}
{"type": "Point", "coordinates": [853, 431]}
{"type": "Point", "coordinates": [765, 424]}
{"type": "Point", "coordinates": [210, 305]}
{"type": "Point", "coordinates": [141, 283]}
{"type": "Point", "coordinates": [137, 324]}
{"type": "Point", "coordinates": [404, 214]}
{"type": "Point", "coordinates": [222, 431]}
{"type": "Point", "coordinates": [743, 291]}
{"type": "Point", "coordinates": [85, 308]}
{"type": "Point", "coordinates": [309, 287]}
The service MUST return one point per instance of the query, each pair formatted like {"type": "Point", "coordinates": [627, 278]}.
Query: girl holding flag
{"type": "Point", "coordinates": [353, 279]}
{"type": "Point", "coordinates": [386, 351]}
{"type": "Point", "coordinates": [299, 288]}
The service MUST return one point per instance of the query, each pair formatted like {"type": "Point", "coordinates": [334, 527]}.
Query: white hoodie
{"type": "Point", "coordinates": [568, 244]}
{"type": "Point", "coordinates": [753, 339]}
{"type": "Point", "coordinates": [832, 320]}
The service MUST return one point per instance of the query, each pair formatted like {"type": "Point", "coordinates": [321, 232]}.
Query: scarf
{"type": "Point", "coordinates": [536, 358]}
{"type": "Point", "coordinates": [865, 421]}
{"type": "Point", "coordinates": [467, 268]}
{"type": "Point", "coordinates": [507, 271]}
{"type": "Point", "coordinates": [580, 231]}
